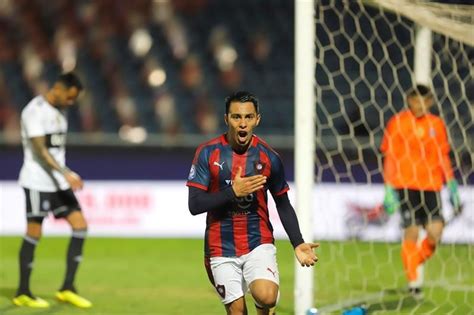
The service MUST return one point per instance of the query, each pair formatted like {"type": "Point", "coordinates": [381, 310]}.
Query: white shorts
{"type": "Point", "coordinates": [233, 275]}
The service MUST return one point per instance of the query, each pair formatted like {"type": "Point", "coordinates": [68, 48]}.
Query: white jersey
{"type": "Point", "coordinates": [40, 118]}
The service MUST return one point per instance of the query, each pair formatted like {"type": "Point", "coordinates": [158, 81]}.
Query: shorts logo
{"type": "Point", "coordinates": [221, 290]}
{"type": "Point", "coordinates": [192, 172]}
{"type": "Point", "coordinates": [45, 205]}
{"type": "Point", "coordinates": [273, 272]}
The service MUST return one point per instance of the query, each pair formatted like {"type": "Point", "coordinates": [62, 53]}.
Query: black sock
{"type": "Point", "coordinates": [74, 257]}
{"type": "Point", "coordinates": [27, 252]}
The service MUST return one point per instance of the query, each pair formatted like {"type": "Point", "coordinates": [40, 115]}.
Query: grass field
{"type": "Point", "coordinates": [166, 276]}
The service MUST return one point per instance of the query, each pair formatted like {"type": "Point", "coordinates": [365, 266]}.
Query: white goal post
{"type": "Point", "coordinates": [304, 142]}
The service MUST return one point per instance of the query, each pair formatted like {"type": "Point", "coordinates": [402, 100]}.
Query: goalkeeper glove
{"type": "Point", "coordinates": [390, 201]}
{"type": "Point", "coordinates": [454, 197]}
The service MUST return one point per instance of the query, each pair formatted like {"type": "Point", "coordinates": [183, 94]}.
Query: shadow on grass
{"type": "Point", "coordinates": [9, 293]}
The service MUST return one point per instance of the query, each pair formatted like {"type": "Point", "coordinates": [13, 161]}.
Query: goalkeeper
{"type": "Point", "coordinates": [416, 165]}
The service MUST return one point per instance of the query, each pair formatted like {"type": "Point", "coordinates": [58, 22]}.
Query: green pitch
{"type": "Point", "coordinates": [161, 276]}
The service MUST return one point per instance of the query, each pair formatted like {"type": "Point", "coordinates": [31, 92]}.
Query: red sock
{"type": "Point", "coordinates": [410, 258]}
{"type": "Point", "coordinates": [426, 250]}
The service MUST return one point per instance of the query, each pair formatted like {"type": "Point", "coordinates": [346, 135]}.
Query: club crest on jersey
{"type": "Point", "coordinates": [432, 132]}
{"type": "Point", "coordinates": [192, 172]}
{"type": "Point", "coordinates": [221, 290]}
{"type": "Point", "coordinates": [258, 167]}
{"type": "Point", "coordinates": [46, 205]}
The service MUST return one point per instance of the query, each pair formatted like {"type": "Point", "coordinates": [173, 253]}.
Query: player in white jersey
{"type": "Point", "coordinates": [49, 186]}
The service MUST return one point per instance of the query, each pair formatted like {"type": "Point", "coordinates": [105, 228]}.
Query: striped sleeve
{"type": "Point", "coordinates": [199, 175]}
{"type": "Point", "coordinates": [277, 182]}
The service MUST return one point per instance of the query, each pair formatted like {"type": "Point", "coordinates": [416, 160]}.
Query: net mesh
{"type": "Point", "coordinates": [365, 64]}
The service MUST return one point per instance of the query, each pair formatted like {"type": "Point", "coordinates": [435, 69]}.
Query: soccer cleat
{"type": "Point", "coordinates": [416, 293]}
{"type": "Point", "coordinates": [73, 298]}
{"type": "Point", "coordinates": [25, 300]}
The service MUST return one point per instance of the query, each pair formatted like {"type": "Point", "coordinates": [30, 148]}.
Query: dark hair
{"type": "Point", "coordinates": [420, 90]}
{"type": "Point", "coordinates": [242, 97]}
{"type": "Point", "coordinates": [69, 80]}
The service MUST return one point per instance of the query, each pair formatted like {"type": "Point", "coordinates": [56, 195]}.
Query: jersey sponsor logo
{"type": "Point", "coordinates": [234, 213]}
{"type": "Point", "coordinates": [243, 205]}
{"type": "Point", "coordinates": [221, 166]}
{"type": "Point", "coordinates": [420, 132]}
{"type": "Point", "coordinates": [55, 140]}
{"type": "Point", "coordinates": [192, 172]}
{"type": "Point", "coordinates": [245, 202]}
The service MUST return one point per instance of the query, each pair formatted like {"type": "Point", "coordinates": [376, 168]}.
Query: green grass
{"type": "Point", "coordinates": [167, 276]}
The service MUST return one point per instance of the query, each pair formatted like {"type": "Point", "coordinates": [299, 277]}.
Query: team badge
{"type": "Point", "coordinates": [258, 167]}
{"type": "Point", "coordinates": [221, 290]}
{"type": "Point", "coordinates": [192, 172]}
{"type": "Point", "coordinates": [432, 132]}
{"type": "Point", "coordinates": [46, 205]}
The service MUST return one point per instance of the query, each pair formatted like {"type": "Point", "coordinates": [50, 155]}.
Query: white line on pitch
{"type": "Point", "coordinates": [448, 286]}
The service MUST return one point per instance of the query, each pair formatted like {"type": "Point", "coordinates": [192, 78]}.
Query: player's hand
{"type": "Point", "coordinates": [305, 254]}
{"type": "Point", "coordinates": [391, 203]}
{"type": "Point", "coordinates": [244, 186]}
{"type": "Point", "coordinates": [454, 197]}
{"type": "Point", "coordinates": [74, 180]}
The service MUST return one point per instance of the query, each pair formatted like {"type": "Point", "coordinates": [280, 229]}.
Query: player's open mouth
{"type": "Point", "coordinates": [242, 137]}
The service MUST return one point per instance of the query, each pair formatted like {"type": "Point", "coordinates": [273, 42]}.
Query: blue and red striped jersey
{"type": "Point", "coordinates": [243, 224]}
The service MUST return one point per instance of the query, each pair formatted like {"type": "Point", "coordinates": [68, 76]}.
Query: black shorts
{"type": "Point", "coordinates": [418, 207]}
{"type": "Point", "coordinates": [38, 204]}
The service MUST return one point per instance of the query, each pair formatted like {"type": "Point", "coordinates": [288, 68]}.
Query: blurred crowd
{"type": "Point", "coordinates": [165, 66]}
{"type": "Point", "coordinates": [148, 66]}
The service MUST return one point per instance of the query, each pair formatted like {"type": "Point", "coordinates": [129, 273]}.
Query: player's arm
{"type": "Point", "coordinates": [48, 162]}
{"type": "Point", "coordinates": [391, 201]}
{"type": "Point", "coordinates": [303, 251]}
{"type": "Point", "coordinates": [200, 201]}
{"type": "Point", "coordinates": [447, 169]}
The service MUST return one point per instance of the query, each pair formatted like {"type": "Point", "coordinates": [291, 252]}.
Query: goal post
{"type": "Point", "coordinates": [304, 143]}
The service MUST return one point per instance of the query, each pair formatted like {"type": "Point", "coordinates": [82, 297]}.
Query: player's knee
{"type": "Point", "coordinates": [266, 298]}
{"type": "Point", "coordinates": [77, 220]}
{"type": "Point", "coordinates": [33, 230]}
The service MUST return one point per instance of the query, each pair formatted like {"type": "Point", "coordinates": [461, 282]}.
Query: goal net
{"type": "Point", "coordinates": [368, 55]}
